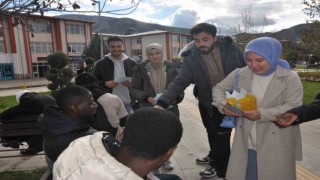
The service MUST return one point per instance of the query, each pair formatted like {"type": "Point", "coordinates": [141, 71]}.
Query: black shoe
{"type": "Point", "coordinates": [205, 160]}
{"type": "Point", "coordinates": [11, 144]}
{"type": "Point", "coordinates": [28, 151]}
{"type": "Point", "coordinates": [208, 172]}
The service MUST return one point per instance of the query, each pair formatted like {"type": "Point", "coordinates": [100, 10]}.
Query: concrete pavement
{"type": "Point", "coordinates": [193, 144]}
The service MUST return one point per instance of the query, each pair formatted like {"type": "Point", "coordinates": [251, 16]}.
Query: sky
{"type": "Point", "coordinates": [266, 15]}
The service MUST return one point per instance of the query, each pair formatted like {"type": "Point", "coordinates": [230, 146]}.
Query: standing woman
{"type": "Point", "coordinates": [151, 77]}
{"type": "Point", "coordinates": [261, 149]}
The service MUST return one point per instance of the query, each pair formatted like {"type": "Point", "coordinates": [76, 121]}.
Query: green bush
{"type": "Point", "coordinates": [58, 74]}
{"type": "Point", "coordinates": [58, 60]}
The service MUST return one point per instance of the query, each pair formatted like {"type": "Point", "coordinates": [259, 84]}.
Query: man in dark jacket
{"type": "Point", "coordinates": [301, 114]}
{"type": "Point", "coordinates": [29, 103]}
{"type": "Point", "coordinates": [67, 122]}
{"type": "Point", "coordinates": [113, 71]}
{"type": "Point", "coordinates": [206, 64]}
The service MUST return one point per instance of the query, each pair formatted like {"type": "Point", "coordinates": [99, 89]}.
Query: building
{"type": "Point", "coordinates": [25, 43]}
{"type": "Point", "coordinates": [135, 44]}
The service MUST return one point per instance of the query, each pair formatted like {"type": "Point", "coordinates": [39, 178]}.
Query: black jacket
{"type": "Point", "coordinates": [59, 130]}
{"type": "Point", "coordinates": [104, 70]}
{"type": "Point", "coordinates": [30, 103]}
{"type": "Point", "coordinates": [308, 112]}
{"type": "Point", "coordinates": [141, 87]}
{"type": "Point", "coordinates": [194, 71]}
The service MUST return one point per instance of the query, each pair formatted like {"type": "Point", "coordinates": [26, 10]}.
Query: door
{"type": "Point", "coordinates": [6, 71]}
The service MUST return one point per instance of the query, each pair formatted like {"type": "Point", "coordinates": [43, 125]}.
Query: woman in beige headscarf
{"type": "Point", "coordinates": [151, 77]}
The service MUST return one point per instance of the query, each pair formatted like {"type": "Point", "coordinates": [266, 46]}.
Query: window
{"type": "Point", "coordinates": [136, 41]}
{"type": "Point", "coordinates": [175, 38]}
{"type": "Point", "coordinates": [136, 52]}
{"type": "Point", "coordinates": [39, 27]}
{"type": "Point", "coordinates": [175, 51]}
{"type": "Point", "coordinates": [76, 47]}
{"type": "Point", "coordinates": [41, 47]}
{"type": "Point", "coordinates": [1, 47]}
{"type": "Point", "coordinates": [75, 29]}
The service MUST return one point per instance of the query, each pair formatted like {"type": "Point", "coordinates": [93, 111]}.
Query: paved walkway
{"type": "Point", "coordinates": [193, 144]}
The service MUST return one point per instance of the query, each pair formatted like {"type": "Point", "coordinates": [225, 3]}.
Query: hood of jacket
{"type": "Point", "coordinates": [53, 121]}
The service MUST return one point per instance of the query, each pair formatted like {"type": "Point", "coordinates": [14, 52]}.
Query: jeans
{"type": "Point", "coordinates": [252, 171]}
{"type": "Point", "coordinates": [219, 138]}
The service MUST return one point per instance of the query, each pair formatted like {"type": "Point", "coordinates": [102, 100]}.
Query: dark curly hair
{"type": "Point", "coordinates": [203, 27]}
{"type": "Point", "coordinates": [69, 95]}
{"type": "Point", "coordinates": [151, 132]}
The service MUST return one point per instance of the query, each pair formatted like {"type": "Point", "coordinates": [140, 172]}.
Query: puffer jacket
{"type": "Point", "coordinates": [59, 130]}
{"type": "Point", "coordinates": [87, 158]}
{"type": "Point", "coordinates": [194, 71]}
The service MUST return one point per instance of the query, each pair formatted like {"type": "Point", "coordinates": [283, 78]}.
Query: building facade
{"type": "Point", "coordinates": [25, 43]}
{"type": "Point", "coordinates": [135, 44]}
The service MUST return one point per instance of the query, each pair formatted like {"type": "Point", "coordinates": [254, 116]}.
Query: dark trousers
{"type": "Point", "coordinates": [219, 138]}
{"type": "Point", "coordinates": [35, 142]}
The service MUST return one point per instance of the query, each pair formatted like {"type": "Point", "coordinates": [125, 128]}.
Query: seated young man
{"type": "Point", "coordinates": [111, 113]}
{"type": "Point", "coordinates": [67, 122]}
{"type": "Point", "coordinates": [149, 139]}
{"type": "Point", "coordinates": [29, 103]}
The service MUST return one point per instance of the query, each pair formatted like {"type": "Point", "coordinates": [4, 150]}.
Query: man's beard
{"type": "Point", "coordinates": [211, 48]}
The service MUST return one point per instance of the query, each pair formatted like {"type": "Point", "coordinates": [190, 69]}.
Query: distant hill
{"type": "Point", "coordinates": [121, 25]}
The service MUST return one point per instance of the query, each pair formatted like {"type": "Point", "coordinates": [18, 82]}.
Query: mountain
{"type": "Point", "coordinates": [122, 25]}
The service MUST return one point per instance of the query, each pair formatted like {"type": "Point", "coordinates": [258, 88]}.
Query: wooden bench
{"type": "Point", "coordinates": [26, 125]}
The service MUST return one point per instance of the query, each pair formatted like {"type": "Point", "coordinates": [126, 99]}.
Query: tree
{"type": "Point", "coordinates": [58, 74]}
{"type": "Point", "coordinates": [243, 30]}
{"type": "Point", "coordinates": [93, 50]}
{"type": "Point", "coordinates": [26, 7]}
{"type": "Point", "coordinates": [311, 35]}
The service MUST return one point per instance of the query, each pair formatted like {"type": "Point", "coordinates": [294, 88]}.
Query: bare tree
{"type": "Point", "coordinates": [27, 7]}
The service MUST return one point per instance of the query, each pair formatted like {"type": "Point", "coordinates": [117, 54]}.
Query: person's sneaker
{"type": "Point", "coordinates": [208, 172]}
{"type": "Point", "coordinates": [204, 160]}
{"type": "Point", "coordinates": [168, 165]}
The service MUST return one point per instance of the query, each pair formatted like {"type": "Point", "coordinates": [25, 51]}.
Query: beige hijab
{"type": "Point", "coordinates": [157, 70]}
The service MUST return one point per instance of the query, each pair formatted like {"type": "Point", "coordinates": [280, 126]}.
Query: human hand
{"type": "Point", "coordinates": [157, 106]}
{"type": "Point", "coordinates": [111, 84]}
{"type": "Point", "coordinates": [126, 83]}
{"type": "Point", "coordinates": [286, 119]}
{"type": "Point", "coordinates": [252, 115]}
{"type": "Point", "coordinates": [151, 100]}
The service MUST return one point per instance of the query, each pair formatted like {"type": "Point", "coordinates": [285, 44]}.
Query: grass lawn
{"type": "Point", "coordinates": [311, 89]}
{"type": "Point", "coordinates": [23, 175]}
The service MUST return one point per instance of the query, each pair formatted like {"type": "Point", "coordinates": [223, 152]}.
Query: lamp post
{"type": "Point", "coordinates": [101, 44]}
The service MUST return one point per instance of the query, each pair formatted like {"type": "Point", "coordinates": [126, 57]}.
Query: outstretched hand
{"type": "Point", "coordinates": [286, 119]}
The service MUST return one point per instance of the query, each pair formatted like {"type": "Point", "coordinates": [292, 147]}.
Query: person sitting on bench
{"type": "Point", "coordinates": [111, 114]}
{"type": "Point", "coordinates": [67, 122]}
{"type": "Point", "coordinates": [29, 103]}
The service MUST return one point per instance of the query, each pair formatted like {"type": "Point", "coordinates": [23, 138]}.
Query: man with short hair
{"type": "Point", "coordinates": [115, 65]}
{"type": "Point", "coordinates": [70, 120]}
{"type": "Point", "coordinates": [148, 140]}
{"type": "Point", "coordinates": [205, 64]}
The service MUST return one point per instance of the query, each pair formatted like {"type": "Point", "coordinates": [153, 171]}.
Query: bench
{"type": "Point", "coordinates": [26, 125]}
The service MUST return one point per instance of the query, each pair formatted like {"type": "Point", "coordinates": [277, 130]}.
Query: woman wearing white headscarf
{"type": "Point", "coordinates": [261, 149]}
{"type": "Point", "coordinates": [151, 77]}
